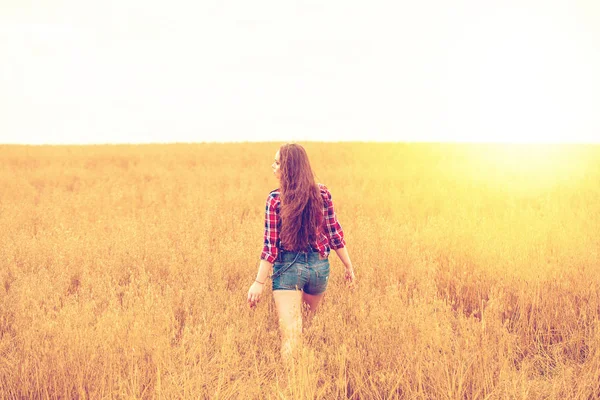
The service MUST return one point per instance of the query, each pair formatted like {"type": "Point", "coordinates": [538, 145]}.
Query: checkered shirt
{"type": "Point", "coordinates": [330, 236]}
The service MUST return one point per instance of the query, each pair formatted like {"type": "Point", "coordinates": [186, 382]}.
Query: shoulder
{"type": "Point", "coordinates": [325, 193]}
{"type": "Point", "coordinates": [273, 198]}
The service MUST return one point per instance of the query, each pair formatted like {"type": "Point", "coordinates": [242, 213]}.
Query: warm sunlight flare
{"type": "Point", "coordinates": [525, 168]}
{"type": "Point", "coordinates": [529, 170]}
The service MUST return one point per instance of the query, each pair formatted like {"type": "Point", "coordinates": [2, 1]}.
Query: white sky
{"type": "Point", "coordinates": [237, 70]}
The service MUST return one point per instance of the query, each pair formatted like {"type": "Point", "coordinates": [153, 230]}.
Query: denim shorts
{"type": "Point", "coordinates": [301, 270]}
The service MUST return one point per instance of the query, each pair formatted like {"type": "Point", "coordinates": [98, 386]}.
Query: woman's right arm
{"type": "Point", "coordinates": [345, 258]}
{"type": "Point", "coordinates": [335, 235]}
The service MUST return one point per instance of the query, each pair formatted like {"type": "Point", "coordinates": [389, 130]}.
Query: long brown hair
{"type": "Point", "coordinates": [301, 203]}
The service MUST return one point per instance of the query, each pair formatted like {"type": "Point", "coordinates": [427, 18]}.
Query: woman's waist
{"type": "Point", "coordinates": [310, 253]}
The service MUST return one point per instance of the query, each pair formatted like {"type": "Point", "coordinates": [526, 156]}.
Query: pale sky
{"type": "Point", "coordinates": [237, 70]}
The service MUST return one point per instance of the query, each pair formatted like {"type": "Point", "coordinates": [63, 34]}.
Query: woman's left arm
{"type": "Point", "coordinates": [264, 270]}
{"type": "Point", "coordinates": [269, 253]}
{"type": "Point", "coordinates": [255, 291]}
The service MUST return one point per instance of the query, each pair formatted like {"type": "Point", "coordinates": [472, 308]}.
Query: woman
{"type": "Point", "coordinates": [300, 230]}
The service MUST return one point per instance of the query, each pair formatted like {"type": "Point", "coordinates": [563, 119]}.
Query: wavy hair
{"type": "Point", "coordinates": [301, 203]}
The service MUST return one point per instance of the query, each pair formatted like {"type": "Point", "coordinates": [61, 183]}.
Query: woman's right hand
{"type": "Point", "coordinates": [349, 276]}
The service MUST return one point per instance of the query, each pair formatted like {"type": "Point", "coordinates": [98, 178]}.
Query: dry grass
{"type": "Point", "coordinates": [124, 272]}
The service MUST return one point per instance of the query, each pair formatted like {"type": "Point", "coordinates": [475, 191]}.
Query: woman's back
{"type": "Point", "coordinates": [328, 236]}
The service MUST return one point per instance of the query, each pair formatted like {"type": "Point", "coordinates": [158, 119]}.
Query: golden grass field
{"type": "Point", "coordinates": [125, 269]}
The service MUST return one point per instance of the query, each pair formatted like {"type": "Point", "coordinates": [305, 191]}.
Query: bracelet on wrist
{"type": "Point", "coordinates": [262, 283]}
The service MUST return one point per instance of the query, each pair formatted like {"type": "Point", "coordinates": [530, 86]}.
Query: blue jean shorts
{"type": "Point", "coordinates": [305, 271]}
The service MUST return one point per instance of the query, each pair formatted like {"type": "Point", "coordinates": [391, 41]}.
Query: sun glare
{"type": "Point", "coordinates": [527, 168]}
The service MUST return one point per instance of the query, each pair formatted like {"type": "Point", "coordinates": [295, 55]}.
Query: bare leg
{"type": "Point", "coordinates": [311, 302]}
{"type": "Point", "coordinates": [289, 310]}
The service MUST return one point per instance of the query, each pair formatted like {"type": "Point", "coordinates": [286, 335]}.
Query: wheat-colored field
{"type": "Point", "coordinates": [125, 269]}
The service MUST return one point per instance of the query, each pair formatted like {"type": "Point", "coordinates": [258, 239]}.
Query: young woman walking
{"type": "Point", "coordinates": [300, 230]}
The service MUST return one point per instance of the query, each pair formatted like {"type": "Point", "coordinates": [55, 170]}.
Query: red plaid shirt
{"type": "Point", "coordinates": [330, 236]}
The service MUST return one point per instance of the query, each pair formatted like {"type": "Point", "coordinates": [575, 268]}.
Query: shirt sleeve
{"type": "Point", "coordinates": [333, 230]}
{"type": "Point", "coordinates": [269, 252]}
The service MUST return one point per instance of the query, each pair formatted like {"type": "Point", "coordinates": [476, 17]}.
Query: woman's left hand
{"type": "Point", "coordinates": [254, 293]}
